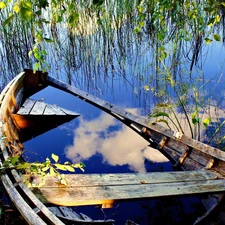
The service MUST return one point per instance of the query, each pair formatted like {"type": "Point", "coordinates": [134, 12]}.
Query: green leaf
{"type": "Point", "coordinates": [208, 40]}
{"type": "Point", "coordinates": [52, 171]}
{"type": "Point", "coordinates": [30, 53]}
{"type": "Point", "coordinates": [8, 20]}
{"type": "Point", "coordinates": [217, 37]}
{"type": "Point", "coordinates": [46, 168]}
{"type": "Point", "coordinates": [14, 160]}
{"type": "Point", "coordinates": [2, 5]}
{"type": "Point", "coordinates": [217, 19]}
{"type": "Point", "coordinates": [81, 166]}
{"type": "Point", "coordinates": [26, 10]}
{"type": "Point", "coordinates": [25, 14]}
{"type": "Point", "coordinates": [23, 166]}
{"type": "Point", "coordinates": [26, 5]}
{"type": "Point", "coordinates": [55, 157]}
{"type": "Point", "coordinates": [159, 114]}
{"type": "Point", "coordinates": [48, 40]}
{"type": "Point", "coordinates": [36, 66]}
{"type": "Point", "coordinates": [16, 8]}
{"type": "Point", "coordinates": [60, 167]}
{"type": "Point", "coordinates": [163, 121]}
{"type": "Point", "coordinates": [64, 181]}
{"type": "Point", "coordinates": [195, 119]}
{"type": "Point", "coordinates": [206, 122]}
{"type": "Point", "coordinates": [69, 168]}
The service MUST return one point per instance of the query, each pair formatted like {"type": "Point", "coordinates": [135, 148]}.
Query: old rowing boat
{"type": "Point", "coordinates": [20, 119]}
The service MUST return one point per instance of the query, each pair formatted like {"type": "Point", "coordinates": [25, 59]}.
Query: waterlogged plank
{"type": "Point", "coordinates": [106, 188]}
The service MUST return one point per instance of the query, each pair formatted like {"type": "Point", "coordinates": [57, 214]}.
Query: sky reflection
{"type": "Point", "coordinates": [117, 143]}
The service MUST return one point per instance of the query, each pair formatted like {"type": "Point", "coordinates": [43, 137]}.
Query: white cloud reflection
{"type": "Point", "coordinates": [120, 146]}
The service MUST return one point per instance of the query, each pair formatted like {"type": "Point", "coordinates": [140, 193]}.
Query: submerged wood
{"type": "Point", "coordinates": [203, 165]}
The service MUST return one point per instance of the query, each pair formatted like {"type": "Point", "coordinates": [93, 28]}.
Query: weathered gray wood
{"type": "Point", "coordinates": [82, 180]}
{"type": "Point", "coordinates": [12, 188]}
{"type": "Point", "coordinates": [53, 110]}
{"type": "Point", "coordinates": [38, 108]}
{"type": "Point", "coordinates": [85, 217]}
{"type": "Point", "coordinates": [91, 189]}
{"type": "Point", "coordinates": [68, 213]}
{"type": "Point", "coordinates": [26, 107]}
{"type": "Point", "coordinates": [108, 194]}
{"type": "Point", "coordinates": [56, 211]}
{"type": "Point", "coordinates": [28, 214]}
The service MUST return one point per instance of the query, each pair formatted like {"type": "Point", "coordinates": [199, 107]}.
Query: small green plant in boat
{"type": "Point", "coordinates": [50, 167]}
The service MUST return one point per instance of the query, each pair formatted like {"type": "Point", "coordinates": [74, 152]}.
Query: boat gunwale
{"type": "Point", "coordinates": [9, 180]}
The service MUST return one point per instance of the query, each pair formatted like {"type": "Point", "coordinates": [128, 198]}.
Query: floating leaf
{"type": "Point", "coordinates": [206, 122]}
{"type": "Point", "coordinates": [217, 37]}
{"type": "Point", "coordinates": [55, 157]}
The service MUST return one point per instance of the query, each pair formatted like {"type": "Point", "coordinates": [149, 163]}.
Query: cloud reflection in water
{"type": "Point", "coordinates": [117, 143]}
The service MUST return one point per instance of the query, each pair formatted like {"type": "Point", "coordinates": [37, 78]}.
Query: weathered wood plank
{"type": "Point", "coordinates": [89, 189]}
{"type": "Point", "coordinates": [20, 203]}
{"type": "Point", "coordinates": [68, 213]}
{"type": "Point", "coordinates": [53, 110]}
{"type": "Point", "coordinates": [38, 108]}
{"type": "Point", "coordinates": [70, 196]}
{"type": "Point", "coordinates": [26, 107]}
{"type": "Point", "coordinates": [85, 180]}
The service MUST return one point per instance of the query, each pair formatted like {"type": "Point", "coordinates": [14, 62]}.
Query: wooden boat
{"type": "Point", "coordinates": [200, 169]}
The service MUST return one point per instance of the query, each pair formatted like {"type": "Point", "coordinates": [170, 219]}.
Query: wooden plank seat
{"type": "Point", "coordinates": [36, 117]}
{"type": "Point", "coordinates": [39, 107]}
{"type": "Point", "coordinates": [105, 189]}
